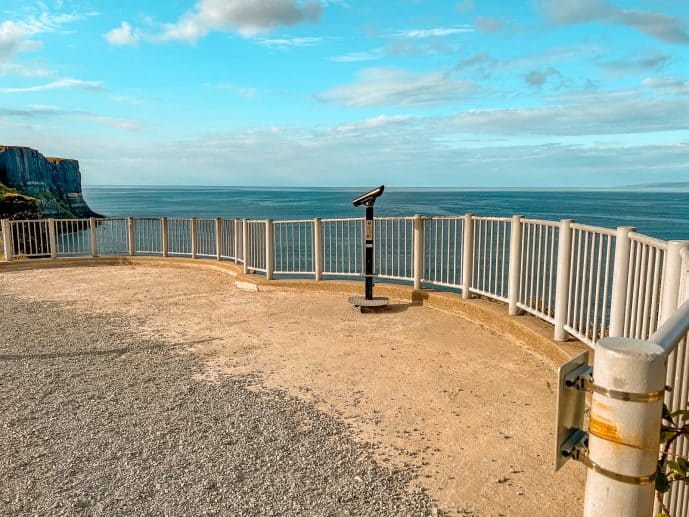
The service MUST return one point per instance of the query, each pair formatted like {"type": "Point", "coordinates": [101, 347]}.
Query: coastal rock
{"type": "Point", "coordinates": [54, 183]}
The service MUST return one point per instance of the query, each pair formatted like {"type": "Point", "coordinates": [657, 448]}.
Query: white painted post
{"type": "Point", "coordinates": [515, 265]}
{"type": "Point", "coordinates": [623, 434]}
{"type": "Point", "coordinates": [218, 238]}
{"type": "Point", "coordinates": [194, 235]}
{"type": "Point", "coordinates": [269, 250]}
{"type": "Point", "coordinates": [620, 274]}
{"type": "Point", "coordinates": [7, 239]}
{"type": "Point", "coordinates": [131, 236]}
{"type": "Point", "coordinates": [237, 224]}
{"type": "Point", "coordinates": [317, 249]}
{"type": "Point", "coordinates": [564, 249]}
{"type": "Point", "coordinates": [94, 242]}
{"type": "Point", "coordinates": [418, 246]}
{"type": "Point", "coordinates": [672, 279]}
{"type": "Point", "coordinates": [52, 238]}
{"type": "Point", "coordinates": [467, 255]}
{"type": "Point", "coordinates": [164, 237]}
{"type": "Point", "coordinates": [245, 245]}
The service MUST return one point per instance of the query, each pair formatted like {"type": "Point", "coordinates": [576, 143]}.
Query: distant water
{"type": "Point", "coordinates": [660, 214]}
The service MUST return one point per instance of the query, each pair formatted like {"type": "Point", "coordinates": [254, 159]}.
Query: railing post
{"type": "Point", "coordinates": [245, 245]}
{"type": "Point", "coordinates": [94, 242]}
{"type": "Point", "coordinates": [218, 238]}
{"type": "Point", "coordinates": [164, 237]}
{"type": "Point", "coordinates": [237, 243]}
{"type": "Point", "coordinates": [620, 274]}
{"type": "Point", "coordinates": [194, 235]}
{"type": "Point", "coordinates": [131, 236]}
{"type": "Point", "coordinates": [467, 255]}
{"type": "Point", "coordinates": [515, 265]}
{"type": "Point", "coordinates": [52, 238]}
{"type": "Point", "coordinates": [623, 434]}
{"type": "Point", "coordinates": [418, 249]}
{"type": "Point", "coordinates": [269, 249]}
{"type": "Point", "coordinates": [672, 279]}
{"type": "Point", "coordinates": [564, 266]}
{"type": "Point", "coordinates": [317, 249]}
{"type": "Point", "coordinates": [7, 239]}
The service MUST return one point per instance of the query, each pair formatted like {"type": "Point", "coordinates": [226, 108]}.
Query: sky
{"type": "Point", "coordinates": [411, 93]}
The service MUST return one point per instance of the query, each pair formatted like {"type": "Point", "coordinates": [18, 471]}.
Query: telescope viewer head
{"type": "Point", "coordinates": [369, 198]}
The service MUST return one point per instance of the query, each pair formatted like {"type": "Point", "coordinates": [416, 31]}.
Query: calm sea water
{"type": "Point", "coordinates": [660, 214]}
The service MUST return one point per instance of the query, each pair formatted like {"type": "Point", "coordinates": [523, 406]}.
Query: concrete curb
{"type": "Point", "coordinates": [528, 331]}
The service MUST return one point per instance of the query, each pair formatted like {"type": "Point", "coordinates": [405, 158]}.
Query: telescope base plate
{"type": "Point", "coordinates": [377, 302]}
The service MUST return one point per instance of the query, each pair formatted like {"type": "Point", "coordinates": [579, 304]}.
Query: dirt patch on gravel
{"type": "Point", "coordinates": [472, 410]}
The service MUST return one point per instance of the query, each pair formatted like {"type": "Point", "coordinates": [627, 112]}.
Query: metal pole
{"type": "Point", "coordinates": [467, 255]}
{"type": "Point", "coordinates": [514, 272]}
{"type": "Point", "coordinates": [94, 242]}
{"type": "Point", "coordinates": [317, 249]}
{"type": "Point", "coordinates": [245, 245]}
{"type": "Point", "coordinates": [194, 231]}
{"type": "Point", "coordinates": [237, 223]}
{"type": "Point", "coordinates": [164, 238]}
{"type": "Point", "coordinates": [52, 238]}
{"type": "Point", "coordinates": [564, 266]}
{"type": "Point", "coordinates": [269, 249]}
{"type": "Point", "coordinates": [624, 434]}
{"type": "Point", "coordinates": [218, 238]}
{"type": "Point", "coordinates": [418, 250]}
{"type": "Point", "coordinates": [131, 236]}
{"type": "Point", "coordinates": [672, 276]}
{"type": "Point", "coordinates": [368, 291]}
{"type": "Point", "coordinates": [618, 303]}
{"type": "Point", "coordinates": [7, 239]}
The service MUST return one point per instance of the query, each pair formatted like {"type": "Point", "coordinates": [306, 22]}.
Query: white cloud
{"type": "Point", "coordinates": [123, 35]}
{"type": "Point", "coordinates": [670, 85]}
{"type": "Point", "coordinates": [241, 91]}
{"type": "Point", "coordinates": [59, 85]}
{"type": "Point", "coordinates": [438, 32]}
{"type": "Point", "coordinates": [288, 43]}
{"type": "Point", "coordinates": [246, 18]}
{"type": "Point", "coordinates": [354, 57]}
{"type": "Point", "coordinates": [395, 87]}
{"type": "Point", "coordinates": [13, 39]}
{"type": "Point", "coordinates": [41, 112]}
{"type": "Point", "coordinates": [656, 25]}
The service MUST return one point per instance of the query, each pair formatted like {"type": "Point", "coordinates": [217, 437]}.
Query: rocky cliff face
{"type": "Point", "coordinates": [54, 183]}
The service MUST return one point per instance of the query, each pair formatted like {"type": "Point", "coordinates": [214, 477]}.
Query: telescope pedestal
{"type": "Point", "coordinates": [364, 304]}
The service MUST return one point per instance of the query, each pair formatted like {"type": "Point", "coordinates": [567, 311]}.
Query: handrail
{"type": "Point", "coordinates": [675, 328]}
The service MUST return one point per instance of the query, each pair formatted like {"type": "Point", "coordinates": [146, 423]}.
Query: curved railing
{"type": "Point", "coordinates": [587, 282]}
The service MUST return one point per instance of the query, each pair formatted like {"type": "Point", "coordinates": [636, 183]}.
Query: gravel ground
{"type": "Point", "coordinates": [95, 421]}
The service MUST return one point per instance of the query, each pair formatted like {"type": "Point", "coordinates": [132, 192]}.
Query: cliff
{"type": "Point", "coordinates": [51, 185]}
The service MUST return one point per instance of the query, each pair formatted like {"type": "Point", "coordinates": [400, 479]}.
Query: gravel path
{"type": "Point", "coordinates": [95, 421]}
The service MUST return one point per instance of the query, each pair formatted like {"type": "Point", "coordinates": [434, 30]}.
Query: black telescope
{"type": "Point", "coordinates": [368, 300]}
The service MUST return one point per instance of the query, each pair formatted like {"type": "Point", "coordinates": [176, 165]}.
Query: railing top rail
{"type": "Point", "coordinates": [28, 220]}
{"type": "Point", "coordinates": [394, 218]}
{"type": "Point", "coordinates": [63, 220]}
{"type": "Point", "coordinates": [491, 218]}
{"type": "Point", "coordinates": [675, 328]}
{"type": "Point", "coordinates": [294, 221]}
{"type": "Point", "coordinates": [594, 229]}
{"type": "Point", "coordinates": [541, 222]}
{"type": "Point", "coordinates": [257, 221]}
{"type": "Point", "coordinates": [434, 217]}
{"type": "Point", "coordinates": [651, 241]}
{"type": "Point", "coordinates": [341, 219]}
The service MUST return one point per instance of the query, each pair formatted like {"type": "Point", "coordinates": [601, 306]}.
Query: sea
{"type": "Point", "coordinates": [661, 214]}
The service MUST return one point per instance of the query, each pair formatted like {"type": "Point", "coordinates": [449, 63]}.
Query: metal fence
{"type": "Point", "coordinates": [588, 282]}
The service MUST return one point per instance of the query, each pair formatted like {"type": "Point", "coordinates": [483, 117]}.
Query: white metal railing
{"type": "Point", "coordinates": [538, 262]}
{"type": "Point", "coordinates": [443, 251]}
{"type": "Point", "coordinates": [394, 246]}
{"type": "Point", "coordinates": [342, 244]}
{"type": "Point", "coordinates": [294, 247]}
{"type": "Point", "coordinates": [491, 255]}
{"type": "Point", "coordinates": [590, 282]}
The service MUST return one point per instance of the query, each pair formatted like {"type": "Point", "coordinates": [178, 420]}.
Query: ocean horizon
{"type": "Point", "coordinates": [659, 213]}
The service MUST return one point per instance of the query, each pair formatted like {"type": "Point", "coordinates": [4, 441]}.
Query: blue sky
{"type": "Point", "coordinates": [342, 93]}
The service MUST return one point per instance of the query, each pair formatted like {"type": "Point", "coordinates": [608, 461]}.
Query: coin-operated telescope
{"type": "Point", "coordinates": [368, 301]}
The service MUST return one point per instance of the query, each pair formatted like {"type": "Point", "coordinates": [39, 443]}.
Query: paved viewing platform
{"type": "Point", "coordinates": [143, 388]}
